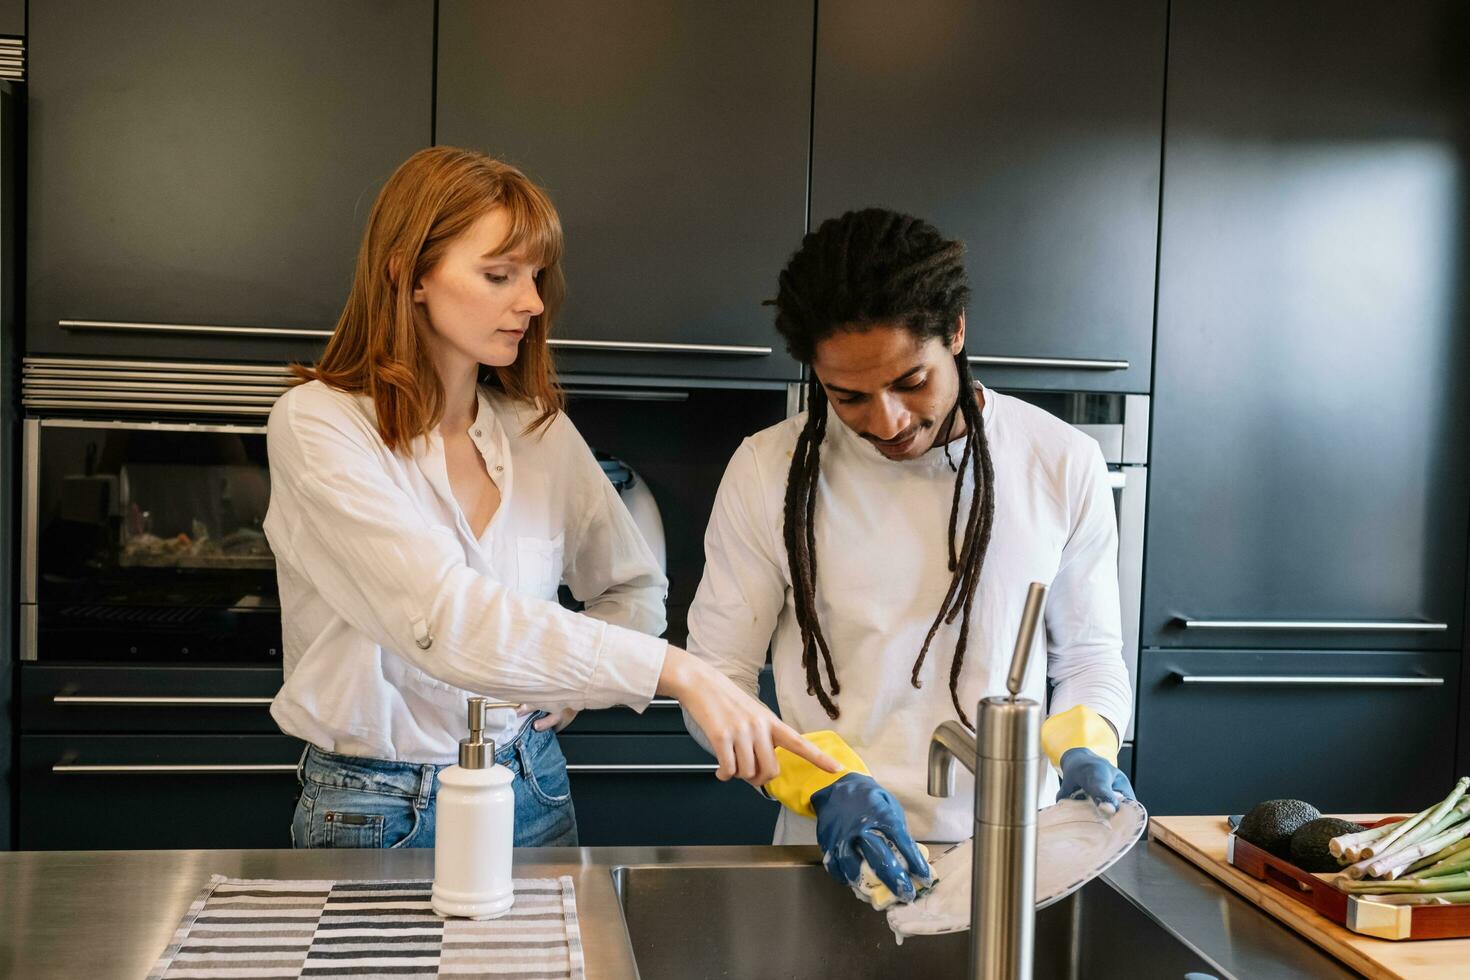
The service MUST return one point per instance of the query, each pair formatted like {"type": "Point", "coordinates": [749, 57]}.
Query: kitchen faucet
{"type": "Point", "coordinates": [1003, 875]}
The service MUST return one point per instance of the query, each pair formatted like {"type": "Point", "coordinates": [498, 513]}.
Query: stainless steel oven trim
{"type": "Point", "coordinates": [102, 383]}
{"type": "Point", "coordinates": [169, 367]}
{"type": "Point", "coordinates": [30, 513]}
{"type": "Point", "coordinates": [71, 769]}
{"type": "Point", "coordinates": [30, 631]}
{"type": "Point", "coordinates": [1132, 512]}
{"type": "Point", "coordinates": [258, 430]}
{"type": "Point", "coordinates": [178, 408]}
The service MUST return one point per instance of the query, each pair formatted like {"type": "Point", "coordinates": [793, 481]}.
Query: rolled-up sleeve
{"type": "Point", "coordinates": [743, 588]}
{"type": "Point", "coordinates": [402, 580]}
{"type": "Point", "coordinates": [1083, 620]}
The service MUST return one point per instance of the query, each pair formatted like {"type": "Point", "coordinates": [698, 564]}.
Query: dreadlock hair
{"type": "Point", "coordinates": [865, 269]}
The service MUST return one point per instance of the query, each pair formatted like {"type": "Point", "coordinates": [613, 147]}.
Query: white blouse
{"type": "Point", "coordinates": [394, 613]}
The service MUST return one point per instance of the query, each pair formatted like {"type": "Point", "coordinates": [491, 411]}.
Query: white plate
{"type": "Point", "coordinates": [1075, 842]}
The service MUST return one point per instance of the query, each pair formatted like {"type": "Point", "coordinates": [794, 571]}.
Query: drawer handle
{"type": "Point", "coordinates": [1405, 625]}
{"type": "Point", "coordinates": [1064, 363]}
{"type": "Point", "coordinates": [635, 767]}
{"type": "Point", "coordinates": [657, 347]}
{"type": "Point", "coordinates": [208, 330]}
{"type": "Point", "coordinates": [663, 703]}
{"type": "Point", "coordinates": [1308, 680]}
{"type": "Point", "coordinates": [69, 769]}
{"type": "Point", "coordinates": [158, 702]}
{"type": "Point", "coordinates": [191, 328]}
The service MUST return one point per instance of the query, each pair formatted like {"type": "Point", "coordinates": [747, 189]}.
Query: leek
{"type": "Point", "coordinates": [1423, 898]}
{"type": "Point", "coordinates": [1392, 864]}
{"type": "Point", "coordinates": [1419, 822]}
{"type": "Point", "coordinates": [1446, 883]}
{"type": "Point", "coordinates": [1446, 856]}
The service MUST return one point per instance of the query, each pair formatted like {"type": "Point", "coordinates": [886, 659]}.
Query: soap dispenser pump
{"type": "Point", "coordinates": [475, 828]}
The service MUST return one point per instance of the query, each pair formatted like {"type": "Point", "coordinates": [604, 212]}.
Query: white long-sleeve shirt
{"type": "Point", "coordinates": [394, 613]}
{"type": "Point", "coordinates": [882, 572]}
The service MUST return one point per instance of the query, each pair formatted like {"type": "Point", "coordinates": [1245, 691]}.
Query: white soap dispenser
{"type": "Point", "coordinates": [475, 829]}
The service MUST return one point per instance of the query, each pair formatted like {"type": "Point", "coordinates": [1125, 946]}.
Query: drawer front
{"type": "Point", "coordinates": [1347, 731]}
{"type": "Point", "coordinates": [148, 699]}
{"type": "Point", "coordinates": [662, 716]}
{"type": "Point", "coordinates": [156, 791]}
{"type": "Point", "coordinates": [659, 790]}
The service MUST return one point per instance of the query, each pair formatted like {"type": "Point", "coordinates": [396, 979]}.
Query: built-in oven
{"type": "Point", "coordinates": [142, 542]}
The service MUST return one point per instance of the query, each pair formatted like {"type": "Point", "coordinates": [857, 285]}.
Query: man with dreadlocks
{"type": "Point", "coordinates": [883, 556]}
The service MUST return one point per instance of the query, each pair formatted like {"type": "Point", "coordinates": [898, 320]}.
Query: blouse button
{"type": "Point", "coordinates": [499, 468]}
{"type": "Point", "coordinates": [478, 432]}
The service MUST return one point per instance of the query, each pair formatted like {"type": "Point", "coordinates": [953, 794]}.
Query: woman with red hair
{"type": "Point", "coordinates": [428, 498]}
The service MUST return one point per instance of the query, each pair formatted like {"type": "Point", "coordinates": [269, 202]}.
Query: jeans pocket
{"type": "Point", "coordinates": [336, 817]}
{"type": "Point", "coordinates": [544, 768]}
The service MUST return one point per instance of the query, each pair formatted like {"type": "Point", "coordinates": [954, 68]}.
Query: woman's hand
{"type": "Point", "coordinates": [742, 732]}
{"type": "Point", "coordinates": [557, 720]}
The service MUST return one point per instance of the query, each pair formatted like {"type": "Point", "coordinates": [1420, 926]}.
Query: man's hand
{"type": "Point", "coordinates": [1085, 774]}
{"type": "Point", "coordinates": [856, 819]}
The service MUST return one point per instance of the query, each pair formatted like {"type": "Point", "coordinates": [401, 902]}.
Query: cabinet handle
{"type": "Point", "coordinates": [279, 333]}
{"type": "Point", "coordinates": [655, 347]}
{"type": "Point", "coordinates": [1407, 625]}
{"type": "Point", "coordinates": [1308, 680]}
{"type": "Point", "coordinates": [151, 701]}
{"type": "Point", "coordinates": [663, 703]}
{"type": "Point", "coordinates": [67, 769]}
{"type": "Point", "coordinates": [1063, 363]}
{"type": "Point", "coordinates": [194, 328]}
{"type": "Point", "coordinates": [643, 768]}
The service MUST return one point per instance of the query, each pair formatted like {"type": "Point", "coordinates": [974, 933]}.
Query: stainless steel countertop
{"type": "Point", "coordinates": [104, 914]}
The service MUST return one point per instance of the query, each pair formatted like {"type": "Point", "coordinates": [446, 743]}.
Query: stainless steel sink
{"type": "Point", "coordinates": [778, 921]}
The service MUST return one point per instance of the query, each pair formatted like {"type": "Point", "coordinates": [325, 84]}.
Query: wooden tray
{"type": "Point", "coordinates": [1360, 914]}
{"type": "Point", "coordinates": [1204, 841]}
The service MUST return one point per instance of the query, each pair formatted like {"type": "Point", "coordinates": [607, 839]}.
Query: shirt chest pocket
{"type": "Point", "coordinates": [539, 565]}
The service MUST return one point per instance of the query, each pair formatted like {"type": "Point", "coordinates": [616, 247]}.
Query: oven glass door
{"type": "Point", "coordinates": [144, 543]}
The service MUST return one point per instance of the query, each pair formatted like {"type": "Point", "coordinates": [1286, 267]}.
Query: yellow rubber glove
{"type": "Point", "coordinates": [799, 779]}
{"type": "Point", "coordinates": [1078, 727]}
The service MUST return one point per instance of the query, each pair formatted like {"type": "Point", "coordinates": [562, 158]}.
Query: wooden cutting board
{"type": "Point", "coordinates": [1201, 840]}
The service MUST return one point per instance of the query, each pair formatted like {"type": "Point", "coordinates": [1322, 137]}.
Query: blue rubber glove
{"type": "Point", "coordinates": [1085, 774]}
{"type": "Point", "coordinates": [854, 816]}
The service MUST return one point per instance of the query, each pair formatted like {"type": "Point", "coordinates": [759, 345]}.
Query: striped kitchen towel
{"type": "Point", "coordinates": [258, 929]}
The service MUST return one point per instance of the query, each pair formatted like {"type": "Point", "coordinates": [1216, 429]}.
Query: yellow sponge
{"type": "Point", "coordinates": [1078, 727]}
{"type": "Point", "coordinates": [799, 779]}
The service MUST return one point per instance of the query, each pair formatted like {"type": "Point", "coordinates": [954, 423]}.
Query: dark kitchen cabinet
{"type": "Point", "coordinates": [673, 138]}
{"type": "Point", "coordinates": [1347, 731]}
{"type": "Point", "coordinates": [147, 699]}
{"type": "Point", "coordinates": [13, 18]}
{"type": "Point", "coordinates": [211, 164]}
{"type": "Point", "coordinates": [659, 790]}
{"type": "Point", "coordinates": [1309, 458]}
{"type": "Point", "coordinates": [85, 792]}
{"type": "Point", "coordinates": [1032, 132]}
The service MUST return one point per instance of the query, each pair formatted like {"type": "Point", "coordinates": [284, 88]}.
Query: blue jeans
{"type": "Point", "coordinates": [348, 801]}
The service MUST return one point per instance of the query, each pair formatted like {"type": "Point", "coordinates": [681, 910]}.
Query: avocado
{"type": "Point", "coordinates": [1269, 825]}
{"type": "Point", "coordinates": [1309, 844]}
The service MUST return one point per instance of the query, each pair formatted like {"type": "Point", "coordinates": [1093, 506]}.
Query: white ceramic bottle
{"type": "Point", "coordinates": [475, 829]}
